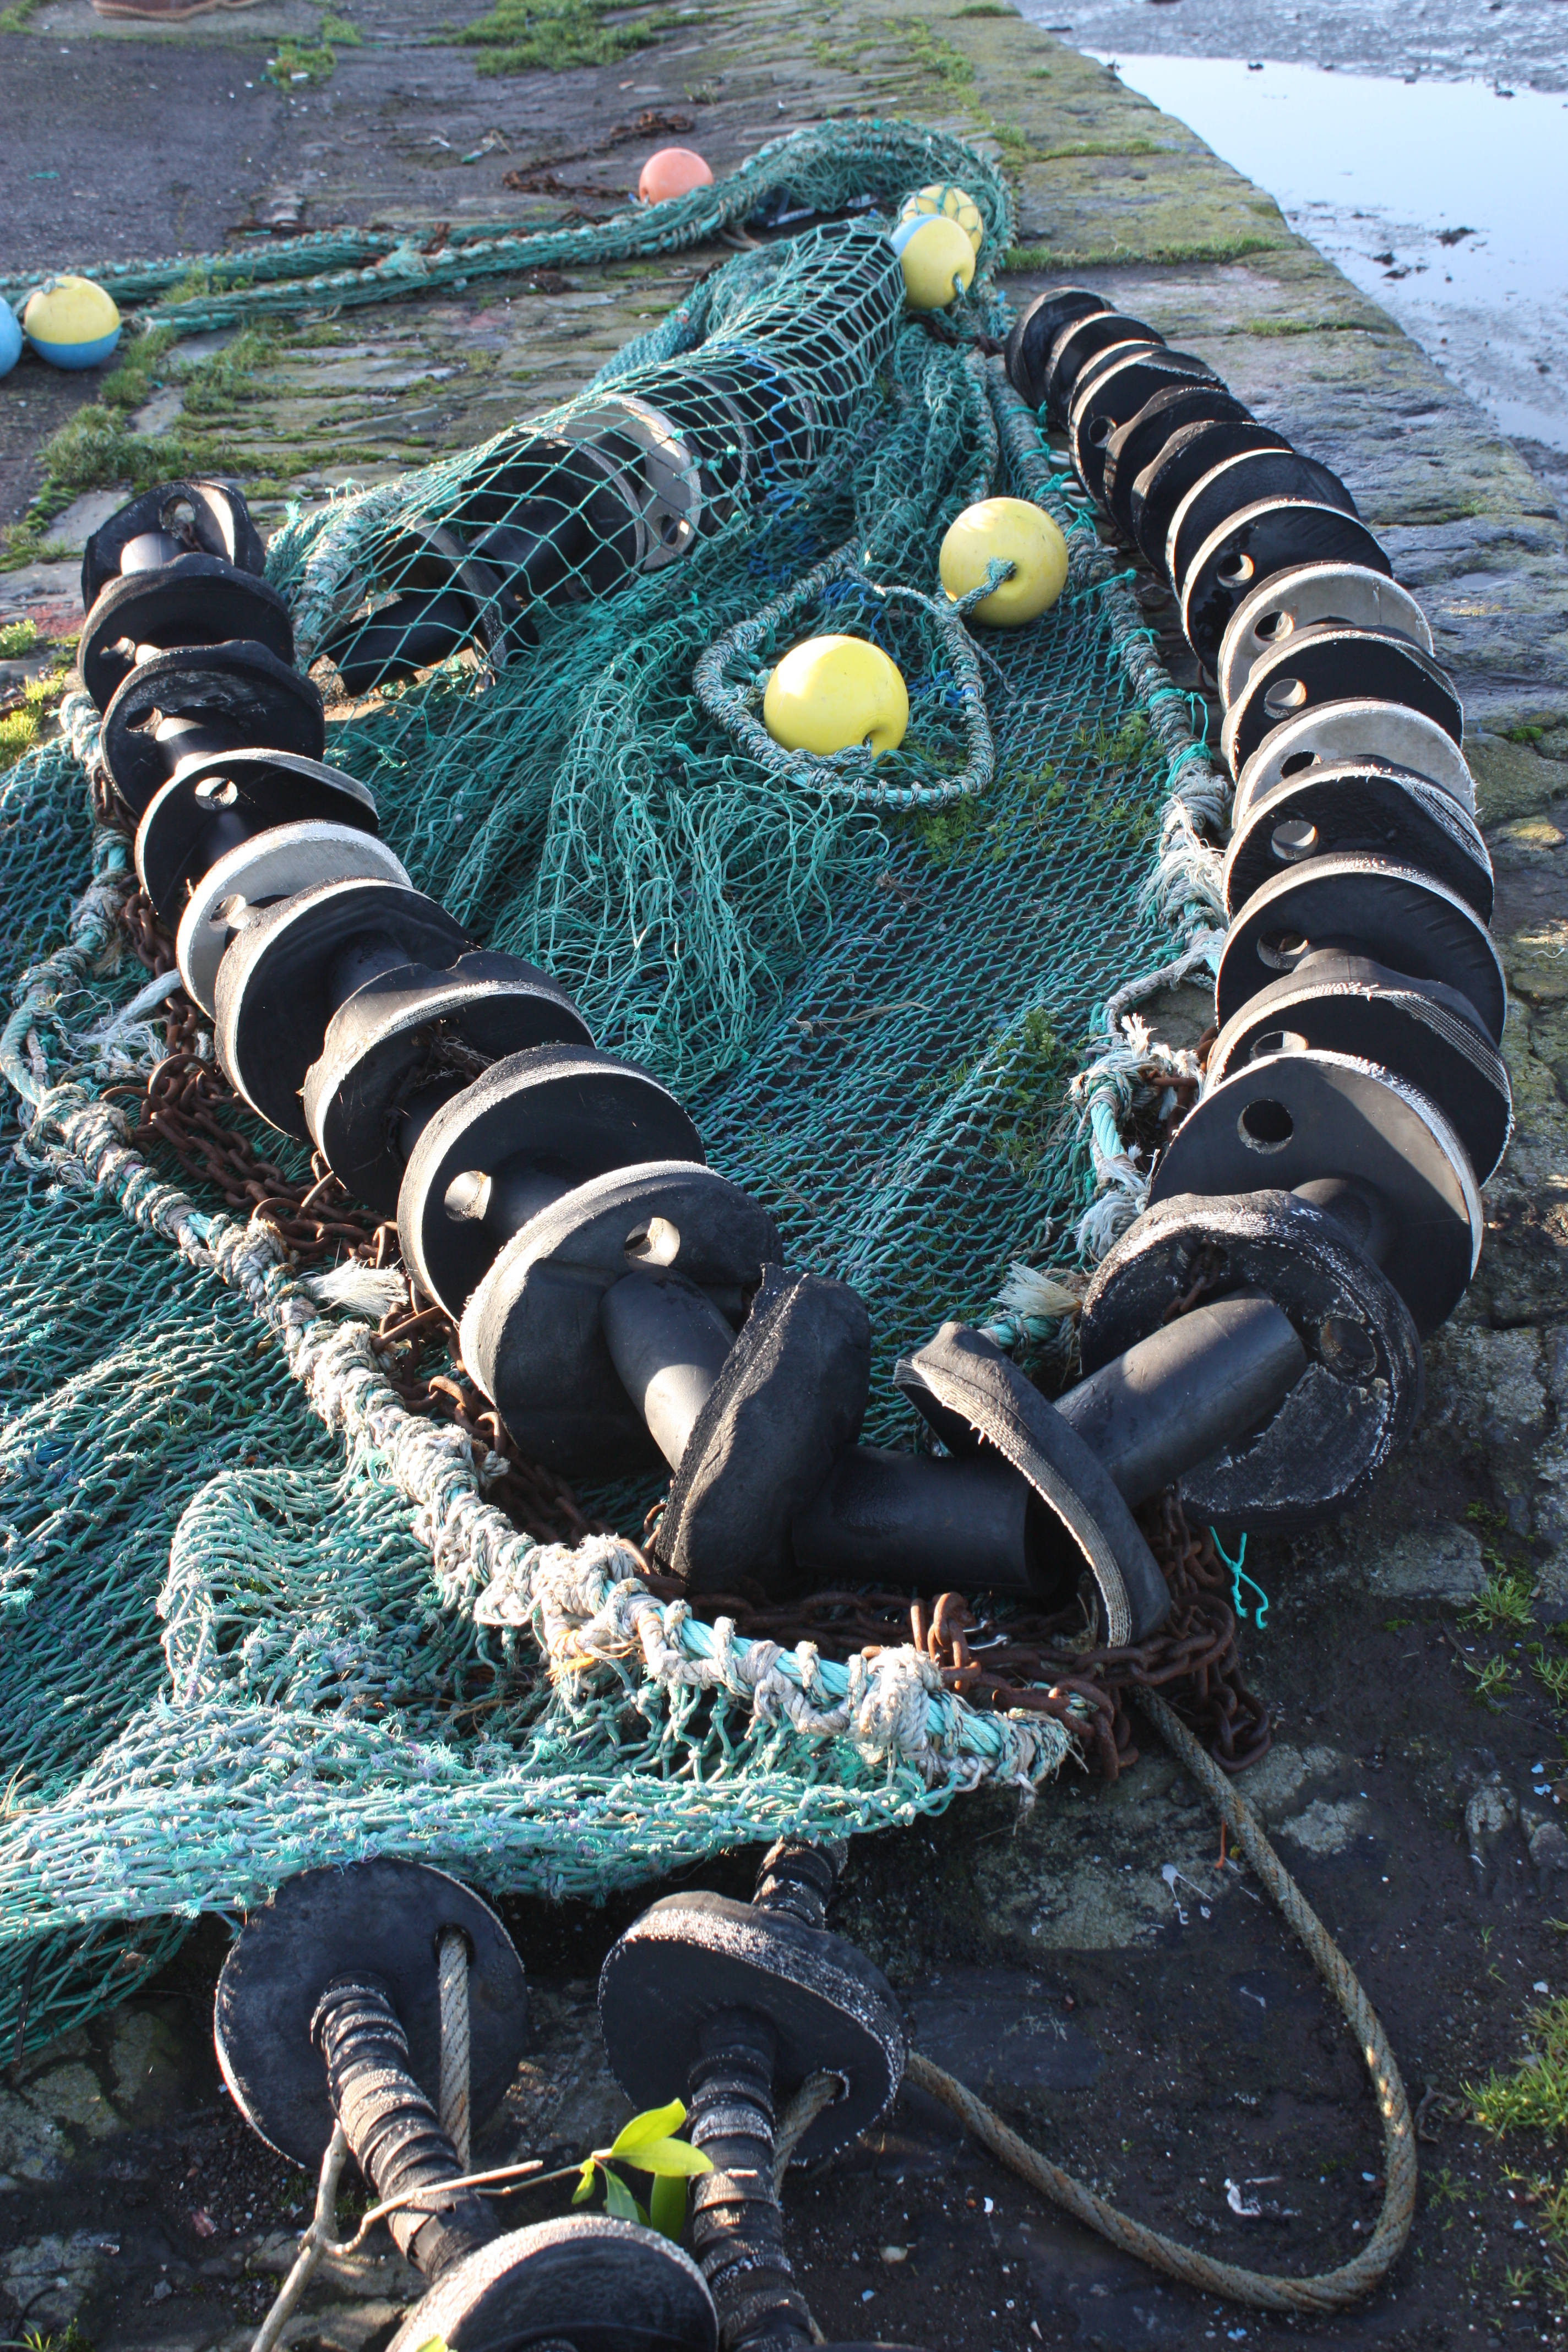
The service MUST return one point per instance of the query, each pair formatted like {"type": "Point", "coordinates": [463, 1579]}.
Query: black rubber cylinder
{"type": "Point", "coordinates": [737, 2229]}
{"type": "Point", "coordinates": [668, 1344]}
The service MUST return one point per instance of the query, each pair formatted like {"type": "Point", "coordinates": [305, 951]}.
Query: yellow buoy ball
{"type": "Point", "coordinates": [1012, 532]}
{"type": "Point", "coordinates": [831, 692]}
{"type": "Point", "coordinates": [71, 322]}
{"type": "Point", "coordinates": [957, 204]}
{"type": "Point", "coordinates": [936, 260]}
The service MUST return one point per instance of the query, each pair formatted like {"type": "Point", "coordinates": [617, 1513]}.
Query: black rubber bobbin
{"type": "Point", "coordinates": [1361, 808]}
{"type": "Point", "coordinates": [202, 516]}
{"type": "Point", "coordinates": [198, 600]}
{"type": "Point", "coordinates": [1241, 480]}
{"type": "Point", "coordinates": [1078, 340]}
{"type": "Point", "coordinates": [450, 595]}
{"type": "Point", "coordinates": [581, 2283]}
{"type": "Point", "coordinates": [273, 865]}
{"type": "Point", "coordinates": [1029, 343]}
{"type": "Point", "coordinates": [1111, 392]}
{"type": "Point", "coordinates": [736, 2006]}
{"type": "Point", "coordinates": [1319, 1449]}
{"type": "Point", "coordinates": [1273, 535]}
{"type": "Point", "coordinates": [207, 700]}
{"type": "Point", "coordinates": [1330, 663]}
{"type": "Point", "coordinates": [1348, 594]}
{"type": "Point", "coordinates": [215, 804]}
{"type": "Point", "coordinates": [1180, 461]}
{"type": "Point", "coordinates": [1330, 733]}
{"type": "Point", "coordinates": [1138, 443]}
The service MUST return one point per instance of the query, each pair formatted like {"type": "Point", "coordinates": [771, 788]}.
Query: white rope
{"type": "Point", "coordinates": [452, 1970]}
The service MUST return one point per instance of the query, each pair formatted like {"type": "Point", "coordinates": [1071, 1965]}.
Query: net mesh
{"type": "Point", "coordinates": [235, 1644]}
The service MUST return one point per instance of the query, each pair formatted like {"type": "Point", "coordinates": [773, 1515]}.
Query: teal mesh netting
{"type": "Point", "coordinates": [254, 1613]}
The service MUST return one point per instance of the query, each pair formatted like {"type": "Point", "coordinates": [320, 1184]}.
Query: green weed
{"type": "Point", "coordinates": [1551, 1672]}
{"type": "Point", "coordinates": [298, 61]}
{"type": "Point", "coordinates": [1533, 2095]}
{"type": "Point", "coordinates": [1503, 1599]}
{"type": "Point", "coordinates": [534, 36]}
{"type": "Point", "coordinates": [934, 54]}
{"type": "Point", "coordinates": [19, 637]}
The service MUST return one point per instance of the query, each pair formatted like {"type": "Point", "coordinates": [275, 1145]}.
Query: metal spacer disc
{"type": "Point", "coordinates": [1295, 1118]}
{"type": "Point", "coordinates": [204, 517]}
{"type": "Point", "coordinates": [1330, 664]}
{"type": "Point", "coordinates": [1425, 1032]}
{"type": "Point", "coordinates": [1191, 452]}
{"type": "Point", "coordinates": [973, 1396]}
{"type": "Point", "coordinates": [561, 1113]}
{"type": "Point", "coordinates": [1362, 731]}
{"type": "Point", "coordinates": [1368, 906]}
{"type": "Point", "coordinates": [1243, 480]}
{"type": "Point", "coordinates": [1029, 343]}
{"type": "Point", "coordinates": [1347, 594]}
{"type": "Point", "coordinates": [1197, 400]}
{"type": "Point", "coordinates": [209, 806]}
{"type": "Point", "coordinates": [1322, 1450]}
{"type": "Point", "coordinates": [238, 686]}
{"type": "Point", "coordinates": [691, 1956]}
{"type": "Point", "coordinates": [284, 975]}
{"type": "Point", "coordinates": [271, 864]}
{"type": "Point", "coordinates": [1108, 396]}
{"type": "Point", "coordinates": [1080, 340]}
{"type": "Point", "coordinates": [1361, 808]}
{"type": "Point", "coordinates": [1275, 535]}
{"type": "Point", "coordinates": [531, 1333]}
{"type": "Point", "coordinates": [198, 600]}
{"type": "Point", "coordinates": [386, 1916]}
{"type": "Point", "coordinates": [583, 2283]}
{"type": "Point", "coordinates": [407, 1040]}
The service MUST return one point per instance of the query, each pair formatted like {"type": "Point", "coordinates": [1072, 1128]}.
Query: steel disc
{"type": "Point", "coordinates": [1077, 342]}
{"type": "Point", "coordinates": [1191, 451]}
{"type": "Point", "coordinates": [1362, 808]}
{"type": "Point", "coordinates": [1137, 444]}
{"type": "Point", "coordinates": [1420, 1029]}
{"type": "Point", "coordinates": [1323, 1449]}
{"type": "Point", "coordinates": [292, 964]}
{"type": "Point", "coordinates": [238, 688]}
{"type": "Point", "coordinates": [1305, 1117]}
{"type": "Point", "coordinates": [1346, 593]}
{"type": "Point", "coordinates": [1275, 535]}
{"type": "Point", "coordinates": [1243, 480]}
{"type": "Point", "coordinates": [1109, 397]}
{"type": "Point", "coordinates": [211, 806]}
{"type": "Point", "coordinates": [1335, 733]}
{"type": "Point", "coordinates": [266, 866]}
{"type": "Point", "coordinates": [528, 1129]}
{"type": "Point", "coordinates": [532, 1335]}
{"type": "Point", "coordinates": [1029, 343]}
{"type": "Point", "coordinates": [198, 600]}
{"type": "Point", "coordinates": [1331, 664]}
{"type": "Point", "coordinates": [1366, 905]}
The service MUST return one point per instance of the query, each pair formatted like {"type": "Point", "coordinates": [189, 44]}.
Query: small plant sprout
{"type": "Point", "coordinates": [647, 2145]}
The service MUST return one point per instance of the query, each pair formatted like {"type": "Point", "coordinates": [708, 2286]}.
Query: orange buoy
{"type": "Point", "coordinates": [672, 172]}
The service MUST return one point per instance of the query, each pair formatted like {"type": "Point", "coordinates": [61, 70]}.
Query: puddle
{"type": "Point", "coordinates": [1444, 201]}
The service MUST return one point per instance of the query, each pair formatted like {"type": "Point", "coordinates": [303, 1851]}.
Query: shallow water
{"type": "Point", "coordinates": [1442, 200]}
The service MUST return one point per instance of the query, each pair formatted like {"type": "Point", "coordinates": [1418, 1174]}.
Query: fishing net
{"type": "Point", "coordinates": [261, 1610]}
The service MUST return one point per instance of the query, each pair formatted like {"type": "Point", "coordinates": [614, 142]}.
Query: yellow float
{"type": "Point", "coordinates": [831, 692]}
{"type": "Point", "coordinates": [937, 260]}
{"type": "Point", "coordinates": [957, 204]}
{"type": "Point", "coordinates": [1012, 532]}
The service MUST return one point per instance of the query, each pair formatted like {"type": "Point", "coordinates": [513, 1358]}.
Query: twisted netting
{"type": "Point", "coordinates": [259, 1613]}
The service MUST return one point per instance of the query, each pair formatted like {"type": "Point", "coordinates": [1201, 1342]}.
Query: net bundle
{"type": "Point", "coordinates": [258, 1610]}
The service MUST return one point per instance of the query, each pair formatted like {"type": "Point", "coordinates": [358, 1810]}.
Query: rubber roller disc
{"type": "Point", "coordinates": [527, 1130]}
{"type": "Point", "coordinates": [1077, 341]}
{"type": "Point", "coordinates": [1243, 480]}
{"type": "Point", "coordinates": [531, 1333]}
{"type": "Point", "coordinates": [1197, 400]}
{"type": "Point", "coordinates": [583, 2283]}
{"type": "Point", "coordinates": [1275, 535]}
{"type": "Point", "coordinates": [1425, 1032]}
{"type": "Point", "coordinates": [271, 864]}
{"type": "Point", "coordinates": [408, 1040]}
{"type": "Point", "coordinates": [1105, 399]}
{"type": "Point", "coordinates": [1346, 593]}
{"type": "Point", "coordinates": [1191, 452]}
{"type": "Point", "coordinates": [790, 1395]}
{"type": "Point", "coordinates": [1293, 1118]}
{"type": "Point", "coordinates": [1029, 343]}
{"type": "Point", "coordinates": [211, 806]}
{"type": "Point", "coordinates": [1359, 809]}
{"type": "Point", "coordinates": [1332, 663]}
{"type": "Point", "coordinates": [975, 1400]}
{"type": "Point", "coordinates": [1362, 733]}
{"type": "Point", "coordinates": [283, 976]}
{"type": "Point", "coordinates": [239, 688]}
{"type": "Point", "coordinates": [198, 600]}
{"type": "Point", "coordinates": [202, 517]}
{"type": "Point", "coordinates": [1323, 1451]}
{"type": "Point", "coordinates": [384, 1916]}
{"type": "Point", "coordinates": [1370, 906]}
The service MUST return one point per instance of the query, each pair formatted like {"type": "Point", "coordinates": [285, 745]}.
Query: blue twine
{"type": "Point", "coordinates": [1238, 1577]}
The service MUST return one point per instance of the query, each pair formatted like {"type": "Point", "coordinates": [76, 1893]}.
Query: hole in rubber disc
{"type": "Point", "coordinates": [217, 792]}
{"type": "Point", "coordinates": [467, 1196]}
{"type": "Point", "coordinates": [1266, 1126]}
{"type": "Point", "coordinates": [1295, 838]}
{"type": "Point", "coordinates": [1347, 1347]}
{"type": "Point", "coordinates": [656, 1243]}
{"type": "Point", "coordinates": [1277, 1040]}
{"type": "Point", "coordinates": [1237, 572]}
{"type": "Point", "coordinates": [1269, 626]}
{"type": "Point", "coordinates": [1280, 949]}
{"type": "Point", "coordinates": [1286, 694]}
{"type": "Point", "coordinates": [1101, 431]}
{"type": "Point", "coordinates": [227, 912]}
{"type": "Point", "coordinates": [1298, 764]}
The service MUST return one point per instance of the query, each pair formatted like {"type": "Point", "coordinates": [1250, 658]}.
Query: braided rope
{"type": "Point", "coordinates": [452, 2102]}
{"type": "Point", "coordinates": [1325, 2291]}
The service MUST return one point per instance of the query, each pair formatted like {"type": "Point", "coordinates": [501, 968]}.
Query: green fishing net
{"type": "Point", "coordinates": [254, 1614]}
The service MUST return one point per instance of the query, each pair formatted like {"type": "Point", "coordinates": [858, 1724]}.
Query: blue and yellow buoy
{"type": "Point", "coordinates": [71, 322]}
{"type": "Point", "coordinates": [10, 339]}
{"type": "Point", "coordinates": [936, 257]}
{"type": "Point", "coordinates": [955, 203]}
